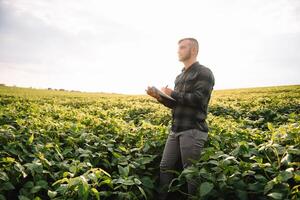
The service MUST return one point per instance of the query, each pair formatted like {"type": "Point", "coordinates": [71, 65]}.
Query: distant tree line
{"type": "Point", "coordinates": [62, 90]}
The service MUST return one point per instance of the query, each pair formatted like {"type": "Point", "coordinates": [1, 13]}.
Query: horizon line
{"type": "Point", "coordinates": [82, 91]}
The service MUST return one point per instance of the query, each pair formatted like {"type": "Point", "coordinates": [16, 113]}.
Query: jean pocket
{"type": "Point", "coordinates": [200, 135]}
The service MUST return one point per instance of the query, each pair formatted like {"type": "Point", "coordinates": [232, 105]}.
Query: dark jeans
{"type": "Point", "coordinates": [187, 144]}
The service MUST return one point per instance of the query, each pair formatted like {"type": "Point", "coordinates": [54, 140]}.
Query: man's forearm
{"type": "Point", "coordinates": [166, 102]}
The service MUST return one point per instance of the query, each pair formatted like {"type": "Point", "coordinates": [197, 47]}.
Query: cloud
{"type": "Point", "coordinates": [122, 46]}
{"type": "Point", "coordinates": [29, 36]}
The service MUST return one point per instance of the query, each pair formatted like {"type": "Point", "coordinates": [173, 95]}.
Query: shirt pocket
{"type": "Point", "coordinates": [189, 82]}
{"type": "Point", "coordinates": [179, 83]}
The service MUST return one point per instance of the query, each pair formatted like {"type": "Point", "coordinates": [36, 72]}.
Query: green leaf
{"type": "Point", "coordinates": [122, 148]}
{"type": "Point", "coordinates": [83, 190]}
{"type": "Point", "coordinates": [214, 162]}
{"type": "Point", "coordinates": [123, 181]}
{"type": "Point", "coordinates": [8, 160]}
{"type": "Point", "coordinates": [146, 147]}
{"type": "Point", "coordinates": [60, 181]}
{"type": "Point", "coordinates": [205, 188]}
{"type": "Point", "coordinates": [42, 183]}
{"type": "Point", "coordinates": [146, 160]}
{"type": "Point", "coordinates": [103, 171]}
{"type": "Point", "coordinates": [3, 176]}
{"type": "Point", "coordinates": [143, 192]}
{"type": "Point", "coordinates": [2, 197]}
{"type": "Point", "coordinates": [260, 178]}
{"type": "Point", "coordinates": [62, 189]}
{"type": "Point", "coordinates": [28, 184]}
{"type": "Point", "coordinates": [74, 182]}
{"type": "Point", "coordinates": [73, 169]}
{"type": "Point", "coordinates": [68, 174]}
{"type": "Point", "coordinates": [286, 159]}
{"type": "Point", "coordinates": [269, 186]}
{"type": "Point", "coordinates": [256, 186]}
{"type": "Point", "coordinates": [35, 189]}
{"type": "Point", "coordinates": [52, 194]}
{"type": "Point", "coordinates": [275, 195]}
{"type": "Point", "coordinates": [116, 155]}
{"type": "Point", "coordinates": [123, 171]}
{"type": "Point", "coordinates": [284, 176]}
{"type": "Point", "coordinates": [35, 167]}
{"type": "Point", "coordinates": [147, 182]}
{"type": "Point", "coordinates": [106, 182]}
{"type": "Point", "coordinates": [21, 197]}
{"type": "Point", "coordinates": [297, 176]}
{"type": "Point", "coordinates": [92, 177]}
{"type": "Point", "coordinates": [270, 126]}
{"type": "Point", "coordinates": [7, 186]}
{"type": "Point", "coordinates": [96, 193]}
{"type": "Point", "coordinates": [137, 181]}
{"type": "Point", "coordinates": [30, 140]}
{"type": "Point", "coordinates": [242, 195]}
{"type": "Point", "coordinates": [21, 169]}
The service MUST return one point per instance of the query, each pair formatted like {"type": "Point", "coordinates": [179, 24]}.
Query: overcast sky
{"type": "Point", "coordinates": [124, 46]}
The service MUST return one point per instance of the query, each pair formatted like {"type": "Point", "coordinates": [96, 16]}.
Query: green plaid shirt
{"type": "Point", "coordinates": [192, 92]}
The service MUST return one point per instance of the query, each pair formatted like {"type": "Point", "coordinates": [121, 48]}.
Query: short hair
{"type": "Point", "coordinates": [194, 42]}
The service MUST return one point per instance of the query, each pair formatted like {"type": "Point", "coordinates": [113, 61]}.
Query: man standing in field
{"type": "Point", "coordinates": [189, 130]}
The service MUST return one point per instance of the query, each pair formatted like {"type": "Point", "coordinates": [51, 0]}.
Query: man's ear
{"type": "Point", "coordinates": [194, 50]}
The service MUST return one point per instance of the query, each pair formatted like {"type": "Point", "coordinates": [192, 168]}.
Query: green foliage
{"type": "Point", "coordinates": [63, 145]}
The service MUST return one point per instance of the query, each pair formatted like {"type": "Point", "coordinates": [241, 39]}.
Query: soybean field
{"type": "Point", "coordinates": [75, 145]}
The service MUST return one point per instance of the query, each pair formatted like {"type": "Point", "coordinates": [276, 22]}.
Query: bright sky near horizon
{"type": "Point", "coordinates": [124, 46]}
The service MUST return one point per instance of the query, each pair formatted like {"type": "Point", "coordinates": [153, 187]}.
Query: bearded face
{"type": "Point", "coordinates": [184, 50]}
{"type": "Point", "coordinates": [185, 56]}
